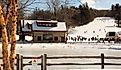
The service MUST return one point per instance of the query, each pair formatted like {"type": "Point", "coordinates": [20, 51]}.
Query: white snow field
{"type": "Point", "coordinates": [99, 27]}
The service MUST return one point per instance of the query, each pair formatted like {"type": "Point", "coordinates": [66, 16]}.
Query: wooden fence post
{"type": "Point", "coordinates": [102, 60]}
{"type": "Point", "coordinates": [44, 61]}
{"type": "Point", "coordinates": [19, 62]}
{"type": "Point", "coordinates": [41, 62]}
{"type": "Point", "coordinates": [0, 66]}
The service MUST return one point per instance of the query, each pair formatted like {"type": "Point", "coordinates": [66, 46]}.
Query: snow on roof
{"type": "Point", "coordinates": [24, 24]}
{"type": "Point", "coordinates": [27, 21]}
{"type": "Point", "coordinates": [26, 29]}
{"type": "Point", "coordinates": [61, 26]}
{"type": "Point", "coordinates": [48, 21]}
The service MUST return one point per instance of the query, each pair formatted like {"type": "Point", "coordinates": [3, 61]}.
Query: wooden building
{"type": "Point", "coordinates": [45, 31]}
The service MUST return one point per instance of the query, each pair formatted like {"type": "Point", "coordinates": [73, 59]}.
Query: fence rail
{"type": "Point", "coordinates": [20, 64]}
{"type": "Point", "coordinates": [63, 57]}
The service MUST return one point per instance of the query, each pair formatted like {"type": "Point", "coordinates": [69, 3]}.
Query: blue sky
{"type": "Point", "coordinates": [101, 4]}
{"type": "Point", "coordinates": [97, 4]}
{"type": "Point", "coordinates": [105, 4]}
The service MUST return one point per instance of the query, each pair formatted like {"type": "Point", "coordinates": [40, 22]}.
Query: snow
{"type": "Point", "coordinates": [28, 38]}
{"type": "Point", "coordinates": [24, 26]}
{"type": "Point", "coordinates": [25, 29]}
{"type": "Point", "coordinates": [97, 28]}
{"type": "Point", "coordinates": [53, 21]}
{"type": "Point", "coordinates": [60, 27]}
{"type": "Point", "coordinates": [76, 49]}
{"type": "Point", "coordinates": [100, 25]}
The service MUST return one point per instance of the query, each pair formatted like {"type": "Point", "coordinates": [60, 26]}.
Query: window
{"type": "Point", "coordinates": [62, 39]}
{"type": "Point", "coordinates": [111, 33]}
{"type": "Point", "coordinates": [56, 38]}
{"type": "Point", "coordinates": [47, 24]}
{"type": "Point", "coordinates": [47, 37]}
{"type": "Point", "coordinates": [54, 25]}
{"type": "Point", "coordinates": [39, 38]}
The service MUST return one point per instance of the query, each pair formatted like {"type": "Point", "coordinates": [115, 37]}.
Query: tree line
{"type": "Point", "coordinates": [72, 15]}
{"type": "Point", "coordinates": [116, 12]}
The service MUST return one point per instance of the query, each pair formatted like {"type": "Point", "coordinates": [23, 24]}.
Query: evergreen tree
{"type": "Point", "coordinates": [84, 14]}
{"type": "Point", "coordinates": [116, 9]}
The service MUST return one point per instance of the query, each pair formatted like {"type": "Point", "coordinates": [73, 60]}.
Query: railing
{"type": "Point", "coordinates": [20, 64]}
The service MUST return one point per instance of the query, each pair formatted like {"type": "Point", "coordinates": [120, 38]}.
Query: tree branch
{"type": "Point", "coordinates": [7, 11]}
{"type": "Point", "coordinates": [25, 4]}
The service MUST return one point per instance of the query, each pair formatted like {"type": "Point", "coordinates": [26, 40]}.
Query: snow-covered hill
{"type": "Point", "coordinates": [97, 28]}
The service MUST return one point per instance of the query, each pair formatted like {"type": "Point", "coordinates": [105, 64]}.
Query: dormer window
{"type": "Point", "coordinates": [49, 25]}
{"type": "Point", "coordinates": [46, 24]}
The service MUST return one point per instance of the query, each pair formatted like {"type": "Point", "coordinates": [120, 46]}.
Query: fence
{"type": "Point", "coordinates": [20, 64]}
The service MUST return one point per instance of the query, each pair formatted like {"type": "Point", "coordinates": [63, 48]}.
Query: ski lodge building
{"type": "Point", "coordinates": [45, 31]}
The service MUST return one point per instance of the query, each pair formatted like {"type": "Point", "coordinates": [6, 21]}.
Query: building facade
{"type": "Point", "coordinates": [49, 37]}
{"type": "Point", "coordinates": [46, 31]}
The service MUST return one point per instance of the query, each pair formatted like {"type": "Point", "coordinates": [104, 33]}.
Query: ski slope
{"type": "Point", "coordinates": [97, 28]}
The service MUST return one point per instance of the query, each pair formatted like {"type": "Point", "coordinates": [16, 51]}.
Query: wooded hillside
{"type": "Point", "coordinates": [73, 16]}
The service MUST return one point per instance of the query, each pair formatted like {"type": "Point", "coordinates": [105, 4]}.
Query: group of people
{"type": "Point", "coordinates": [93, 39]}
{"type": "Point", "coordinates": [79, 38]}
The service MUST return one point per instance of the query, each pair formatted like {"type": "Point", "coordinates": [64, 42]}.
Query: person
{"type": "Point", "coordinates": [103, 41]}
{"type": "Point", "coordinates": [93, 31]}
{"type": "Point", "coordinates": [108, 40]}
{"type": "Point", "coordinates": [97, 35]}
{"type": "Point", "coordinates": [88, 40]}
{"type": "Point", "coordinates": [98, 41]}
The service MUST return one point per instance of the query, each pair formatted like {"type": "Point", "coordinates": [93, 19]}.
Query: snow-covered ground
{"type": "Point", "coordinates": [99, 27]}
{"type": "Point", "coordinates": [53, 49]}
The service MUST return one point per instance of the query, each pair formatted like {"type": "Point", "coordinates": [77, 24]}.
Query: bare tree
{"type": "Point", "coordinates": [65, 3]}
{"type": "Point", "coordinates": [13, 34]}
{"type": "Point", "coordinates": [6, 65]}
{"type": "Point", "coordinates": [5, 13]}
{"type": "Point", "coordinates": [53, 5]}
{"type": "Point", "coordinates": [25, 3]}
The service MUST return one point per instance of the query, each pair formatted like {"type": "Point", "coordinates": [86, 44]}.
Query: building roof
{"type": "Point", "coordinates": [24, 25]}
{"type": "Point", "coordinates": [47, 21]}
{"type": "Point", "coordinates": [61, 26]}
